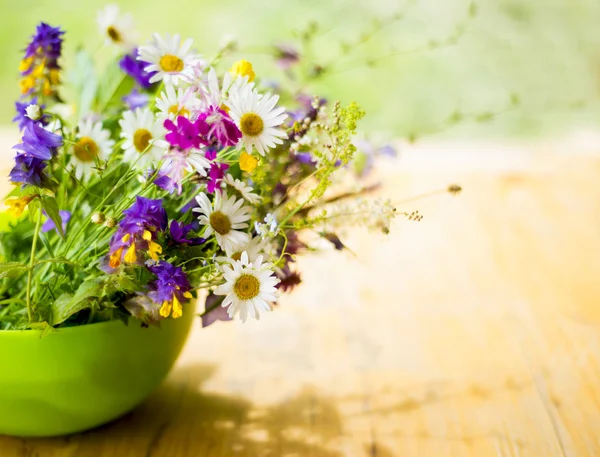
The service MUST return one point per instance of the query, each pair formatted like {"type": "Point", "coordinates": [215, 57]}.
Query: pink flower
{"type": "Point", "coordinates": [185, 134]}
{"type": "Point", "coordinates": [220, 127]}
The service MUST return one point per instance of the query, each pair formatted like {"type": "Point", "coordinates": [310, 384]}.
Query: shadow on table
{"type": "Point", "coordinates": [179, 419]}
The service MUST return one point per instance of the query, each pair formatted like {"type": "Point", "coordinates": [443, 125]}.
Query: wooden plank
{"type": "Point", "coordinates": [471, 333]}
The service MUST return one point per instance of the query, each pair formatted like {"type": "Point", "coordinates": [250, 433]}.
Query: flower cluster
{"type": "Point", "coordinates": [190, 177]}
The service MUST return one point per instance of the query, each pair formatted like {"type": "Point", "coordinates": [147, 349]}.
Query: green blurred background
{"type": "Point", "coordinates": [543, 54]}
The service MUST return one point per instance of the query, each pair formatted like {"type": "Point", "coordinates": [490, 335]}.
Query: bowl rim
{"type": "Point", "coordinates": [72, 329]}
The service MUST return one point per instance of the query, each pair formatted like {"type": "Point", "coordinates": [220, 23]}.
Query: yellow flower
{"type": "Point", "coordinates": [25, 64]}
{"type": "Point", "coordinates": [26, 84]}
{"type": "Point", "coordinates": [177, 308]}
{"type": "Point", "coordinates": [243, 68]}
{"type": "Point", "coordinates": [16, 206]}
{"type": "Point", "coordinates": [54, 76]}
{"type": "Point", "coordinates": [247, 162]}
{"type": "Point", "coordinates": [165, 309]}
{"type": "Point", "coordinates": [38, 71]}
{"type": "Point", "coordinates": [115, 258]}
{"type": "Point", "coordinates": [153, 248]}
{"type": "Point", "coordinates": [130, 256]}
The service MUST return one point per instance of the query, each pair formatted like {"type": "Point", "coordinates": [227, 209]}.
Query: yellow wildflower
{"type": "Point", "coordinates": [243, 68]}
{"type": "Point", "coordinates": [248, 162]}
{"type": "Point", "coordinates": [16, 206]}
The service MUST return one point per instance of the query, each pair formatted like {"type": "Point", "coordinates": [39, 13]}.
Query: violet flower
{"type": "Point", "coordinates": [135, 99]}
{"type": "Point", "coordinates": [65, 217]}
{"type": "Point", "coordinates": [135, 68]}
{"type": "Point", "coordinates": [179, 234]}
{"type": "Point", "coordinates": [39, 142]}
{"type": "Point", "coordinates": [21, 116]}
{"type": "Point", "coordinates": [138, 231]}
{"type": "Point", "coordinates": [170, 289]}
{"type": "Point", "coordinates": [46, 43]}
{"type": "Point", "coordinates": [29, 170]}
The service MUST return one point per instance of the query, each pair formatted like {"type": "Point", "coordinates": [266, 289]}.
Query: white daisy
{"type": "Point", "coordinates": [92, 143]}
{"type": "Point", "coordinates": [116, 28]}
{"type": "Point", "coordinates": [243, 189]}
{"type": "Point", "coordinates": [175, 102]}
{"type": "Point", "coordinates": [177, 164]}
{"type": "Point", "coordinates": [142, 134]}
{"type": "Point", "coordinates": [168, 58]}
{"type": "Point", "coordinates": [215, 94]}
{"type": "Point", "coordinates": [257, 118]}
{"type": "Point", "coordinates": [225, 220]}
{"type": "Point", "coordinates": [254, 247]}
{"type": "Point", "coordinates": [249, 287]}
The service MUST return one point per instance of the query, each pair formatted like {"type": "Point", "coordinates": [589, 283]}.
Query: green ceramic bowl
{"type": "Point", "coordinates": [78, 378]}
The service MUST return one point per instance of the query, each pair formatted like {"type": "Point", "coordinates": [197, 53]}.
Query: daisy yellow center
{"type": "Point", "coordinates": [251, 124]}
{"type": "Point", "coordinates": [237, 256]}
{"type": "Point", "coordinates": [114, 34]}
{"type": "Point", "coordinates": [141, 139]}
{"type": "Point", "coordinates": [246, 287]}
{"type": "Point", "coordinates": [177, 111]}
{"type": "Point", "coordinates": [220, 223]}
{"type": "Point", "coordinates": [86, 149]}
{"type": "Point", "coordinates": [170, 63]}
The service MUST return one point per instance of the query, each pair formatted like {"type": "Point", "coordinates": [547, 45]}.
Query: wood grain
{"type": "Point", "coordinates": [471, 333]}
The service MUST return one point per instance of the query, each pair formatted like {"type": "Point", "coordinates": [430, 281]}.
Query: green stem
{"type": "Point", "coordinates": [32, 262]}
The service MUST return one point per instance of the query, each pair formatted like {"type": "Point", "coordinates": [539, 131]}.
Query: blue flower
{"type": "Point", "coordinates": [170, 289]}
{"type": "Point", "coordinates": [180, 232]}
{"type": "Point", "coordinates": [138, 230]}
{"type": "Point", "coordinates": [21, 116]}
{"type": "Point", "coordinates": [135, 99]}
{"type": "Point", "coordinates": [46, 42]}
{"type": "Point", "coordinates": [29, 170]}
{"type": "Point", "coordinates": [39, 142]}
{"type": "Point", "coordinates": [135, 68]}
{"type": "Point", "coordinates": [65, 217]}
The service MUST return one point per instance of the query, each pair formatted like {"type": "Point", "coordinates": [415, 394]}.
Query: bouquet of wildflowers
{"type": "Point", "coordinates": [173, 174]}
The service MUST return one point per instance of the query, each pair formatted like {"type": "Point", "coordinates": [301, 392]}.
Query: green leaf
{"type": "Point", "coordinates": [33, 207]}
{"type": "Point", "coordinates": [45, 327]}
{"type": "Point", "coordinates": [5, 220]}
{"type": "Point", "coordinates": [114, 85]}
{"type": "Point", "coordinates": [126, 284]}
{"type": "Point", "coordinates": [67, 305]}
{"type": "Point", "coordinates": [50, 206]}
{"type": "Point", "coordinates": [12, 269]}
{"type": "Point", "coordinates": [85, 81]}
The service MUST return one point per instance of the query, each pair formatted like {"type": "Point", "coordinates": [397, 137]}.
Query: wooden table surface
{"type": "Point", "coordinates": [471, 333]}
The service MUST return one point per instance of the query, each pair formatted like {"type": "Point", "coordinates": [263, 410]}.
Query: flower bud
{"type": "Point", "coordinates": [34, 112]}
{"type": "Point", "coordinates": [110, 222]}
{"type": "Point", "coordinates": [98, 217]}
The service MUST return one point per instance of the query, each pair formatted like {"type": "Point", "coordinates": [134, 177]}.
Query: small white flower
{"type": "Point", "coordinates": [116, 28]}
{"type": "Point", "coordinates": [142, 134]}
{"type": "Point", "coordinates": [168, 57]}
{"type": "Point", "coordinates": [257, 119]}
{"type": "Point", "coordinates": [271, 222]}
{"type": "Point", "coordinates": [261, 229]}
{"type": "Point", "coordinates": [249, 287]}
{"type": "Point", "coordinates": [34, 112]}
{"type": "Point", "coordinates": [243, 189]}
{"type": "Point", "coordinates": [92, 143]}
{"type": "Point", "coordinates": [225, 220]}
{"type": "Point", "coordinates": [268, 228]}
{"type": "Point", "coordinates": [175, 102]}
